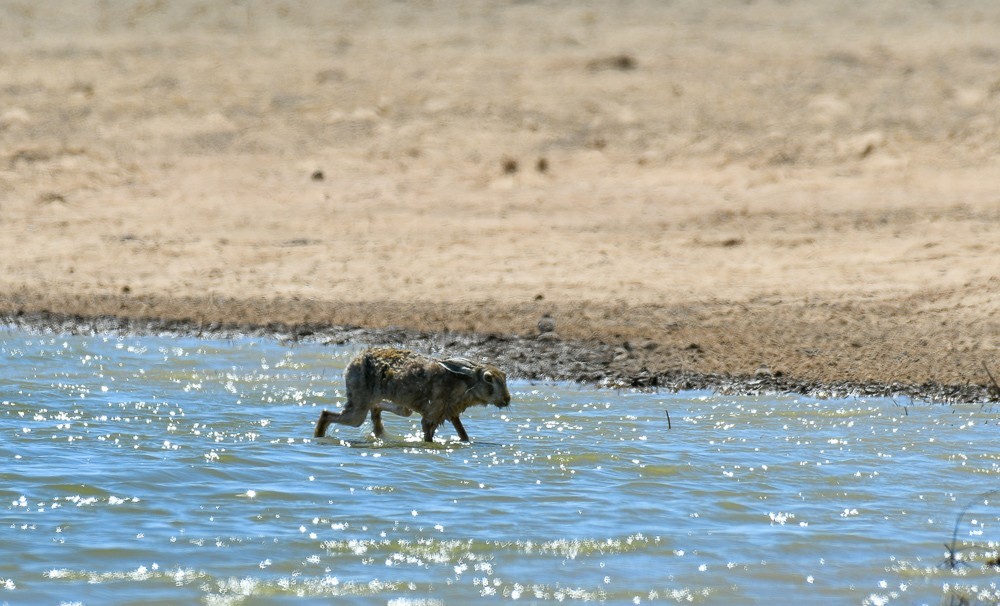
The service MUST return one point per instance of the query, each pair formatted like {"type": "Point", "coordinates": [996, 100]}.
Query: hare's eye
{"type": "Point", "coordinates": [488, 376]}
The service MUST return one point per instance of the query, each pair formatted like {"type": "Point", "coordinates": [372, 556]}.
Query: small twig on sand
{"type": "Point", "coordinates": [996, 387]}
{"type": "Point", "coordinates": [668, 419]}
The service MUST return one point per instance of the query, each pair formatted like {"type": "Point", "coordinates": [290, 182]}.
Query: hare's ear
{"type": "Point", "coordinates": [459, 366]}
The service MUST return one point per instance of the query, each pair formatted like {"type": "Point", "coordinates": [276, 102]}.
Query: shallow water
{"type": "Point", "coordinates": [176, 470]}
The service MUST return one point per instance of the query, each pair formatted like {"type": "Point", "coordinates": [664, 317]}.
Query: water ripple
{"type": "Point", "coordinates": [179, 470]}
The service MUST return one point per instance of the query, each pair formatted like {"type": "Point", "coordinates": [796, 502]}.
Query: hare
{"type": "Point", "coordinates": [404, 382]}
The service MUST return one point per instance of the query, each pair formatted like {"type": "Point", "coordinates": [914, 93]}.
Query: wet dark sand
{"type": "Point", "coordinates": [608, 362]}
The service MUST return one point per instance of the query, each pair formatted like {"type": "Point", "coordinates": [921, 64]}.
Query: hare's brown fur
{"type": "Point", "coordinates": [403, 382]}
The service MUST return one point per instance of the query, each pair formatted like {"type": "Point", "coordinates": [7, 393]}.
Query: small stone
{"type": "Point", "coordinates": [546, 324]}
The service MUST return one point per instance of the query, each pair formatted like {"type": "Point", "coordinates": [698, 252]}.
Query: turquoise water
{"type": "Point", "coordinates": [174, 470]}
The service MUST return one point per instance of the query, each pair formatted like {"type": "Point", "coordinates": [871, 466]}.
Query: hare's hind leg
{"type": "Point", "coordinates": [395, 409]}
{"type": "Point", "coordinates": [353, 414]}
{"type": "Point", "coordinates": [429, 428]}
{"type": "Point", "coordinates": [377, 422]}
{"type": "Point", "coordinates": [325, 418]}
{"type": "Point", "coordinates": [344, 417]}
{"type": "Point", "coordinates": [388, 407]}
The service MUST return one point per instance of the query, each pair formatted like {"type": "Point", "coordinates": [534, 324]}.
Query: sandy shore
{"type": "Point", "coordinates": [807, 193]}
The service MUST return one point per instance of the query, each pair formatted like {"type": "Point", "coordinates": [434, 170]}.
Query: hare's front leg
{"type": "Point", "coordinates": [458, 427]}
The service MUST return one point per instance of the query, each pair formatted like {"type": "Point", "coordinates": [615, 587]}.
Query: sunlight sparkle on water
{"type": "Point", "coordinates": [173, 469]}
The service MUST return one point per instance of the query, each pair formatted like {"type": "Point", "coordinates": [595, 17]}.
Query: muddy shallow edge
{"type": "Point", "coordinates": [533, 359]}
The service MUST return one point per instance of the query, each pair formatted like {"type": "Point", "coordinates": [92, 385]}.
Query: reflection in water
{"type": "Point", "coordinates": [174, 469]}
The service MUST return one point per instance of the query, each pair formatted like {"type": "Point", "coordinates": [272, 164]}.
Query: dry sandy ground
{"type": "Point", "coordinates": [811, 186]}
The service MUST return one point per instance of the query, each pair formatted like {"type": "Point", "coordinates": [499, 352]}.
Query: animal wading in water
{"type": "Point", "coordinates": [404, 382]}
